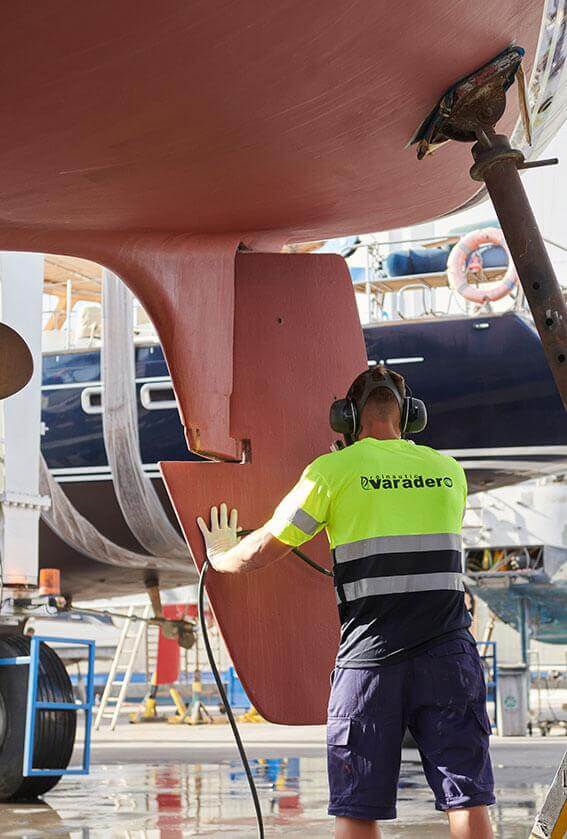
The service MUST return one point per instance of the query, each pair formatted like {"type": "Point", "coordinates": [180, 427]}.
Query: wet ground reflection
{"type": "Point", "coordinates": [171, 801]}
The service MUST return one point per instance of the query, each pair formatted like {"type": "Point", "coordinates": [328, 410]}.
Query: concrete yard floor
{"type": "Point", "coordinates": [155, 781]}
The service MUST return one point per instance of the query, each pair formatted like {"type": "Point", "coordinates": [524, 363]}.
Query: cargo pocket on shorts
{"type": "Point", "coordinates": [339, 758]}
{"type": "Point", "coordinates": [457, 675]}
{"type": "Point", "coordinates": [481, 715]}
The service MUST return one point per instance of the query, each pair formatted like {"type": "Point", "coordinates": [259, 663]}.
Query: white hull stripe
{"type": "Point", "coordinates": [84, 474]}
{"type": "Point", "coordinates": [378, 586]}
{"type": "Point", "coordinates": [548, 467]}
{"type": "Point", "coordinates": [506, 451]}
{"type": "Point", "coordinates": [304, 522]}
{"type": "Point", "coordinates": [98, 383]}
{"type": "Point", "coordinates": [398, 544]}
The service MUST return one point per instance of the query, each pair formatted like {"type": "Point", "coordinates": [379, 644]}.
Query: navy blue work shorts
{"type": "Point", "coordinates": [440, 695]}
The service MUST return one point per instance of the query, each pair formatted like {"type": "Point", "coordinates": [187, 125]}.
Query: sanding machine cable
{"type": "Point", "coordinates": [220, 686]}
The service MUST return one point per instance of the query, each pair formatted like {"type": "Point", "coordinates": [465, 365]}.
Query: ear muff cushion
{"type": "Point", "coordinates": [405, 413]}
{"type": "Point", "coordinates": [343, 416]}
{"type": "Point", "coordinates": [355, 419]}
{"type": "Point", "coordinates": [416, 416]}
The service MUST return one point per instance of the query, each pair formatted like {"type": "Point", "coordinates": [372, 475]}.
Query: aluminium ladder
{"type": "Point", "coordinates": [114, 693]}
{"type": "Point", "coordinates": [151, 651]}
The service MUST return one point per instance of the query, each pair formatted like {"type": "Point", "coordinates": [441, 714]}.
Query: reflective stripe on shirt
{"type": "Point", "coordinates": [398, 544]}
{"type": "Point", "coordinates": [376, 586]}
{"type": "Point", "coordinates": [304, 522]}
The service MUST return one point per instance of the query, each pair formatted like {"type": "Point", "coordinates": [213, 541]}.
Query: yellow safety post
{"type": "Point", "coordinates": [251, 716]}
{"type": "Point", "coordinates": [182, 710]}
{"type": "Point", "coordinates": [147, 712]}
{"type": "Point", "coordinates": [198, 714]}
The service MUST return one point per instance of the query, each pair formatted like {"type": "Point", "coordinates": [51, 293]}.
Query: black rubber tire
{"type": "Point", "coordinates": [54, 730]}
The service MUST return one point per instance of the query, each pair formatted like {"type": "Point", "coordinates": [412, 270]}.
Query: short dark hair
{"type": "Point", "coordinates": [382, 399]}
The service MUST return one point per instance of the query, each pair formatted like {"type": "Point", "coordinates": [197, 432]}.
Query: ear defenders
{"type": "Point", "coordinates": [345, 414]}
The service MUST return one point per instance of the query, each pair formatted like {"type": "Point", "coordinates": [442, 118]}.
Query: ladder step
{"type": "Point", "coordinates": [123, 664]}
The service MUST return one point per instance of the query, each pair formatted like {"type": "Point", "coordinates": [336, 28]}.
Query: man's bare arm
{"type": "Point", "coordinates": [228, 555]}
{"type": "Point", "coordinates": [254, 551]}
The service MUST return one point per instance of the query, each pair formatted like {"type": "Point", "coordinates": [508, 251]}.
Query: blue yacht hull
{"type": "Point", "coordinates": [491, 399]}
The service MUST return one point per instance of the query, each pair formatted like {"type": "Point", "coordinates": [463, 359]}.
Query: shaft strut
{"type": "Point", "coordinates": [496, 163]}
{"type": "Point", "coordinates": [469, 110]}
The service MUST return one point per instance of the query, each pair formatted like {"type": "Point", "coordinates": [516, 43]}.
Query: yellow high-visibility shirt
{"type": "Point", "coordinates": [392, 511]}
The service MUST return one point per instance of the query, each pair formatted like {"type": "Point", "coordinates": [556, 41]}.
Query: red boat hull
{"type": "Point", "coordinates": [153, 138]}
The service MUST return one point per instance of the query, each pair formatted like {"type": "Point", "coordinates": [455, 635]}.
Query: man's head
{"type": "Point", "coordinates": [380, 410]}
{"type": "Point", "coordinates": [377, 405]}
{"type": "Point", "coordinates": [374, 407]}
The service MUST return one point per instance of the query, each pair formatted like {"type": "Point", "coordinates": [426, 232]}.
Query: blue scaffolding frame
{"type": "Point", "coordinates": [489, 659]}
{"type": "Point", "coordinates": [33, 706]}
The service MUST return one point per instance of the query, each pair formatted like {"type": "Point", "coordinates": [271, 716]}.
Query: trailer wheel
{"type": "Point", "coordinates": [54, 730]}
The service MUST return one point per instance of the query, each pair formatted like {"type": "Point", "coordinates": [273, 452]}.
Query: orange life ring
{"type": "Point", "coordinates": [458, 260]}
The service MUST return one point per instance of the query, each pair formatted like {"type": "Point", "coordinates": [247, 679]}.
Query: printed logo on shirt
{"type": "Point", "coordinates": [369, 482]}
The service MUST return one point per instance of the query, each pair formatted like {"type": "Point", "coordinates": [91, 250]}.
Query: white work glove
{"type": "Point", "coordinates": [222, 536]}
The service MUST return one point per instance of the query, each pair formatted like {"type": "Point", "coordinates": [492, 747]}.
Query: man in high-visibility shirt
{"type": "Point", "coordinates": [392, 511]}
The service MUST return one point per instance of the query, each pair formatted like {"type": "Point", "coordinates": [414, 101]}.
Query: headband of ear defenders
{"type": "Point", "coordinates": [345, 413]}
{"type": "Point", "coordinates": [368, 382]}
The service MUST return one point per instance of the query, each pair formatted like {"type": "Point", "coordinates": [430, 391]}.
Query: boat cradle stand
{"type": "Point", "coordinates": [468, 112]}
